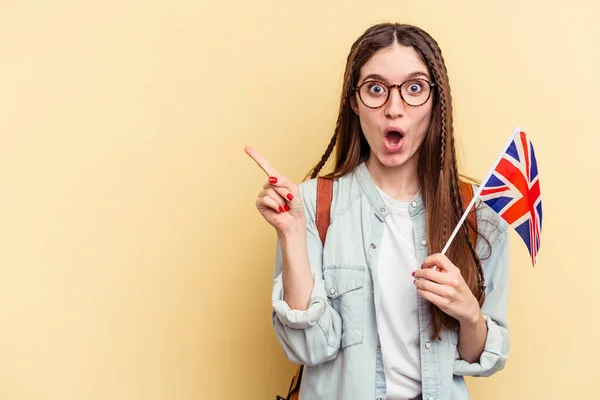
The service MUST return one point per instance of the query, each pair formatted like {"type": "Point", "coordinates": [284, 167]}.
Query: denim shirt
{"type": "Point", "coordinates": [336, 338]}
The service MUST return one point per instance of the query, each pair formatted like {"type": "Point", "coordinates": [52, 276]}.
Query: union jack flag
{"type": "Point", "coordinates": [513, 191]}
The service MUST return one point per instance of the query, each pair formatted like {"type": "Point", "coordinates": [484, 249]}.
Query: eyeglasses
{"type": "Point", "coordinates": [414, 92]}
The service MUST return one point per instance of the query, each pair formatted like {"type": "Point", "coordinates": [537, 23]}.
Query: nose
{"type": "Point", "coordinates": [395, 106]}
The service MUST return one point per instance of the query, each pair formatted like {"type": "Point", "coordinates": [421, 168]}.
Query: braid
{"type": "Point", "coordinates": [456, 198]}
{"type": "Point", "coordinates": [443, 118]}
{"type": "Point", "coordinates": [441, 192]}
{"type": "Point", "coordinates": [437, 77]}
{"type": "Point", "coordinates": [445, 102]}
{"type": "Point", "coordinates": [327, 153]}
{"type": "Point", "coordinates": [441, 189]}
{"type": "Point", "coordinates": [438, 70]}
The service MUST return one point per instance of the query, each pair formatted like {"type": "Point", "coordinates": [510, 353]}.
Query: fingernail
{"type": "Point", "coordinates": [286, 207]}
{"type": "Point", "coordinates": [290, 197]}
{"type": "Point", "coordinates": [414, 281]}
{"type": "Point", "coordinates": [272, 179]}
{"type": "Point", "coordinates": [421, 266]}
{"type": "Point", "coordinates": [413, 273]}
{"type": "Point", "coordinates": [280, 209]}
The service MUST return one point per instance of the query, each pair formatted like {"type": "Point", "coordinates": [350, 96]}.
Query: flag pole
{"type": "Point", "coordinates": [478, 193]}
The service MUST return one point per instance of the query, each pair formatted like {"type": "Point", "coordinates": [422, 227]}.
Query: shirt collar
{"type": "Point", "coordinates": [369, 189]}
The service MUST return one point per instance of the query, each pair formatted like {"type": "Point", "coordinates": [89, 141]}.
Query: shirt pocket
{"type": "Point", "coordinates": [345, 289]}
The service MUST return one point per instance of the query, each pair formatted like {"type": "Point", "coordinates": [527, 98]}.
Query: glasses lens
{"type": "Point", "coordinates": [374, 94]}
{"type": "Point", "coordinates": [415, 92]}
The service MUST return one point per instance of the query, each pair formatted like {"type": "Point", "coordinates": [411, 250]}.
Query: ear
{"type": "Point", "coordinates": [354, 104]}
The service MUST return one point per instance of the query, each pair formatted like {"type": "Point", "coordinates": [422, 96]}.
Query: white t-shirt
{"type": "Point", "coordinates": [397, 307]}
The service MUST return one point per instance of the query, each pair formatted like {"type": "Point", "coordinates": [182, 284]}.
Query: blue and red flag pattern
{"type": "Point", "coordinates": [513, 191]}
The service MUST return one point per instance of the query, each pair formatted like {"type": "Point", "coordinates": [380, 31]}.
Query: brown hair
{"type": "Point", "coordinates": [437, 168]}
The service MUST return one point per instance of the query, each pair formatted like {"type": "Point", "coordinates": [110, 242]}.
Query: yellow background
{"type": "Point", "coordinates": [133, 264]}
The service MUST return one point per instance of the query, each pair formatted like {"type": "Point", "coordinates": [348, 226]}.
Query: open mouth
{"type": "Point", "coordinates": [393, 138]}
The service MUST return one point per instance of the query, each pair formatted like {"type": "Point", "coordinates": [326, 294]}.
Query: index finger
{"type": "Point", "coordinates": [431, 275]}
{"type": "Point", "coordinates": [260, 161]}
{"type": "Point", "coordinates": [437, 260]}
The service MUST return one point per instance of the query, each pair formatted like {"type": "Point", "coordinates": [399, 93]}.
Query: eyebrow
{"type": "Point", "coordinates": [378, 77]}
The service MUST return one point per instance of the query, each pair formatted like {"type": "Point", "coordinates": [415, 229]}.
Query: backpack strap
{"type": "Point", "coordinates": [294, 391]}
{"type": "Point", "coordinates": [324, 198]}
{"type": "Point", "coordinates": [322, 218]}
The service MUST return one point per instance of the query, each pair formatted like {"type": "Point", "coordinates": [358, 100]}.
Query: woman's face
{"type": "Point", "coordinates": [394, 131]}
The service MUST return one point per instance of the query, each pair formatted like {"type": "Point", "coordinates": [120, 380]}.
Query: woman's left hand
{"type": "Point", "coordinates": [446, 288]}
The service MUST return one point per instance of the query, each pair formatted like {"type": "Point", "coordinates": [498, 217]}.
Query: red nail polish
{"type": "Point", "coordinates": [413, 273]}
{"type": "Point", "coordinates": [272, 179]}
{"type": "Point", "coordinates": [290, 197]}
{"type": "Point", "coordinates": [286, 207]}
{"type": "Point", "coordinates": [280, 209]}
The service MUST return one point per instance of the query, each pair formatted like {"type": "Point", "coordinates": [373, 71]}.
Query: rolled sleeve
{"type": "Point", "coordinates": [493, 357]}
{"type": "Point", "coordinates": [298, 319]}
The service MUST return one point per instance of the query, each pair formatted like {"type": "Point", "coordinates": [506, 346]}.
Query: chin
{"type": "Point", "coordinates": [392, 160]}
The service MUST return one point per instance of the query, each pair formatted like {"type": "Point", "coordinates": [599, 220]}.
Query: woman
{"type": "Point", "coordinates": [377, 312]}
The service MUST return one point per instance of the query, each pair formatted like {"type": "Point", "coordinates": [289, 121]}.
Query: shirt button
{"type": "Point", "coordinates": [428, 345]}
{"type": "Point", "coordinates": [424, 242]}
{"type": "Point", "coordinates": [414, 204]}
{"type": "Point", "coordinates": [378, 345]}
{"type": "Point", "coordinates": [382, 209]}
{"type": "Point", "coordinates": [332, 291]}
{"type": "Point", "coordinates": [373, 246]}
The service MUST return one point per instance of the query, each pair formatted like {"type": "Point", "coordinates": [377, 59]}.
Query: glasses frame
{"type": "Point", "coordinates": [390, 87]}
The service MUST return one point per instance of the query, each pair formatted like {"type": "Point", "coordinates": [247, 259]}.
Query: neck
{"type": "Point", "coordinates": [401, 182]}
